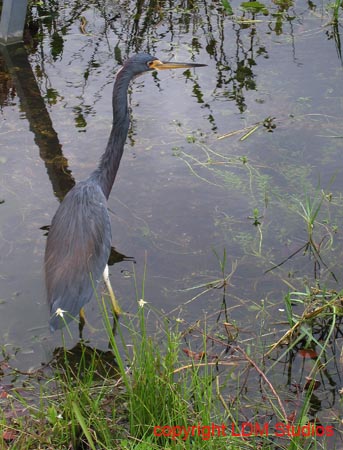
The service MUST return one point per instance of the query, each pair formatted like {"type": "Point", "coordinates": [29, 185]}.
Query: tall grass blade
{"type": "Point", "coordinates": [83, 425]}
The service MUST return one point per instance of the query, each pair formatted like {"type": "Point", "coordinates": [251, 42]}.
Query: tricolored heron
{"type": "Point", "coordinates": [79, 240]}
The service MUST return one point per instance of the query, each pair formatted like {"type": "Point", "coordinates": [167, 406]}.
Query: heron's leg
{"type": "Point", "coordinates": [82, 322]}
{"type": "Point", "coordinates": [115, 305]}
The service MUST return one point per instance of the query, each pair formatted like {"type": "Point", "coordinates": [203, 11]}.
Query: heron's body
{"type": "Point", "coordinates": [79, 239]}
{"type": "Point", "coordinates": [68, 248]}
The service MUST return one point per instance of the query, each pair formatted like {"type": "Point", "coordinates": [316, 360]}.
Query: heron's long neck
{"type": "Point", "coordinates": [110, 160]}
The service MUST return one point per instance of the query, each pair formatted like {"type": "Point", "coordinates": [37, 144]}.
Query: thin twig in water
{"type": "Point", "coordinates": [263, 375]}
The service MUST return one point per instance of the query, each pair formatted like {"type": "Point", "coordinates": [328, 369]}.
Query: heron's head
{"type": "Point", "coordinates": [143, 62]}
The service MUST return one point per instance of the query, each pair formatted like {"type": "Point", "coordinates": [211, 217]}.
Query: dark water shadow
{"type": "Point", "coordinates": [33, 105]}
{"type": "Point", "coordinates": [83, 360]}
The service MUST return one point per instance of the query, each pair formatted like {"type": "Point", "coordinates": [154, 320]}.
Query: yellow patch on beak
{"type": "Point", "coordinates": [160, 65]}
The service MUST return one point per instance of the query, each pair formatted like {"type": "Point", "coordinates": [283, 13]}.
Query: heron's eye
{"type": "Point", "coordinates": [155, 64]}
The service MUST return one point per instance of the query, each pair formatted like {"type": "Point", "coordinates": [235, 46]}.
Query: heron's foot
{"type": "Point", "coordinates": [83, 322]}
{"type": "Point", "coordinates": [115, 323]}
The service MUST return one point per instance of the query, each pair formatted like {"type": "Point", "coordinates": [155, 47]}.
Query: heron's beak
{"type": "Point", "coordinates": [160, 65]}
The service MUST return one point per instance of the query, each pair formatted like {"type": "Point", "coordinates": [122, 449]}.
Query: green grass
{"type": "Point", "coordinates": [336, 8]}
{"type": "Point", "coordinates": [185, 377]}
{"type": "Point", "coordinates": [168, 384]}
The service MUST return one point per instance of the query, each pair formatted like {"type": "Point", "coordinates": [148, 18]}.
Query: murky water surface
{"type": "Point", "coordinates": [182, 196]}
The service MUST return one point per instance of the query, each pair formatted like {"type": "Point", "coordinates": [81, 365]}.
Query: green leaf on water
{"type": "Point", "coordinates": [227, 7]}
{"type": "Point", "coordinates": [254, 7]}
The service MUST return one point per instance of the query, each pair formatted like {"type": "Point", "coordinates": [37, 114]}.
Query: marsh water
{"type": "Point", "coordinates": [192, 199]}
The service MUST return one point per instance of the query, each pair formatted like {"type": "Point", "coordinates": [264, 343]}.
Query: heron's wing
{"type": "Point", "coordinates": [77, 251]}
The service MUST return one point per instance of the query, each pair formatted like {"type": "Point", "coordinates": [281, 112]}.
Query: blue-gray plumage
{"type": "Point", "coordinates": [79, 240]}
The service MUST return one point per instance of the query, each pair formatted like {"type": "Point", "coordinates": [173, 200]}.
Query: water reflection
{"type": "Point", "coordinates": [139, 26]}
{"type": "Point", "coordinates": [284, 69]}
{"type": "Point", "coordinates": [32, 104]}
